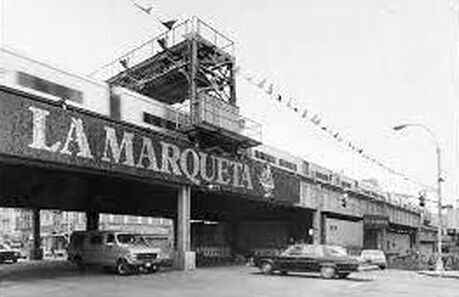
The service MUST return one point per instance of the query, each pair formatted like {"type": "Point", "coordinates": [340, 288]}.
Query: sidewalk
{"type": "Point", "coordinates": [443, 274]}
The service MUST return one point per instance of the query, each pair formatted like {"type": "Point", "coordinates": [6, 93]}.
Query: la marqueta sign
{"type": "Point", "coordinates": [158, 156]}
{"type": "Point", "coordinates": [35, 129]}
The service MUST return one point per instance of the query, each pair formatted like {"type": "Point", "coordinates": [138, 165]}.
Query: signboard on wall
{"type": "Point", "coordinates": [375, 221]}
{"type": "Point", "coordinates": [41, 131]}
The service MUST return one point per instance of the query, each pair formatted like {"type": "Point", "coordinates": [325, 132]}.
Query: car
{"type": "Point", "coordinates": [18, 247]}
{"type": "Point", "coordinates": [329, 260]}
{"type": "Point", "coordinates": [8, 255]}
{"type": "Point", "coordinates": [374, 257]}
{"type": "Point", "coordinates": [122, 251]}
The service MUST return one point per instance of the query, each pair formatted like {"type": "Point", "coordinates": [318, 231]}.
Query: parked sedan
{"type": "Point", "coordinates": [8, 255]}
{"type": "Point", "coordinates": [374, 257]}
{"type": "Point", "coordinates": [329, 261]}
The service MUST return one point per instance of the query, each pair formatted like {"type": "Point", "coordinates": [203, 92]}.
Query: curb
{"type": "Point", "coordinates": [445, 274]}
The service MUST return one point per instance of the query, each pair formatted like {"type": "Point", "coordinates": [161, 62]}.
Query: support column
{"type": "Point", "coordinates": [317, 226]}
{"type": "Point", "coordinates": [185, 258]}
{"type": "Point", "coordinates": [37, 252]}
{"type": "Point", "coordinates": [92, 220]}
{"type": "Point", "coordinates": [382, 240]}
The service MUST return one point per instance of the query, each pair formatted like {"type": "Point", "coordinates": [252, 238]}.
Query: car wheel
{"type": "Point", "coordinates": [343, 275]}
{"type": "Point", "coordinates": [327, 272]}
{"type": "Point", "coordinates": [382, 267]}
{"type": "Point", "coordinates": [266, 268]}
{"type": "Point", "coordinates": [122, 267]}
{"type": "Point", "coordinates": [153, 269]}
{"type": "Point", "coordinates": [283, 272]}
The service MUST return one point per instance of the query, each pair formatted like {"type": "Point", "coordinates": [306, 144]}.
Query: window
{"type": "Point", "coordinates": [159, 122]}
{"type": "Point", "coordinates": [45, 86]}
{"type": "Point", "coordinates": [110, 238]}
{"type": "Point", "coordinates": [305, 168]}
{"type": "Point", "coordinates": [322, 176]}
{"type": "Point", "coordinates": [294, 250]}
{"type": "Point", "coordinates": [346, 185]}
{"type": "Point", "coordinates": [266, 157]}
{"type": "Point", "coordinates": [287, 164]}
{"type": "Point", "coordinates": [96, 239]}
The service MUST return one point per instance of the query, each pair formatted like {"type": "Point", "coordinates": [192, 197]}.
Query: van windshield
{"type": "Point", "coordinates": [136, 239]}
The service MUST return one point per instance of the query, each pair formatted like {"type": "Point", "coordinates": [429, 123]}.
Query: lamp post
{"type": "Point", "coordinates": [439, 264]}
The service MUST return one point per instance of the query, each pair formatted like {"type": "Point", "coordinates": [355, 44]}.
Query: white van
{"type": "Point", "coordinates": [124, 251]}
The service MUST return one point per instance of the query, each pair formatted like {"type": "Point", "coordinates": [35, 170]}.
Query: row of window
{"type": "Point", "coordinates": [271, 159]}
{"type": "Point", "coordinates": [159, 122]}
{"type": "Point", "coordinates": [264, 156]}
{"type": "Point", "coordinates": [48, 87]}
{"type": "Point", "coordinates": [346, 185]}
{"type": "Point", "coordinates": [287, 164]}
{"type": "Point", "coordinates": [323, 176]}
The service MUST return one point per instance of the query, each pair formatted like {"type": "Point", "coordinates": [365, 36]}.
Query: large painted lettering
{"type": "Point", "coordinates": [156, 156]}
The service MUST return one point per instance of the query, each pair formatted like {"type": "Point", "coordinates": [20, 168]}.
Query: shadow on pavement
{"type": "Point", "coordinates": [31, 271]}
{"type": "Point", "coordinates": [351, 278]}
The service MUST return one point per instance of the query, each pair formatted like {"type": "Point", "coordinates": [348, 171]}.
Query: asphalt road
{"type": "Point", "coordinates": [64, 280]}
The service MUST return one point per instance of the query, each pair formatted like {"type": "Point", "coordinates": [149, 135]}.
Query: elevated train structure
{"type": "Point", "coordinates": [162, 122]}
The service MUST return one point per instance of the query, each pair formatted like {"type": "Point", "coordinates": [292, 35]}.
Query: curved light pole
{"type": "Point", "coordinates": [439, 264]}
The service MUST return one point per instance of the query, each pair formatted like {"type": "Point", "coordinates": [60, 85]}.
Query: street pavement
{"type": "Point", "coordinates": [61, 279]}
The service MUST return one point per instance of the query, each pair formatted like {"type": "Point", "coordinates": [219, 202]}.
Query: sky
{"type": "Point", "coordinates": [365, 66]}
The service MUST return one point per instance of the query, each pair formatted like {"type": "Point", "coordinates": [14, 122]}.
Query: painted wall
{"type": "Point", "coordinates": [398, 243]}
{"type": "Point", "coordinates": [344, 233]}
{"type": "Point", "coordinates": [315, 196]}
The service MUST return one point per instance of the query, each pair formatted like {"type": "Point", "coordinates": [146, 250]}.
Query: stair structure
{"type": "Point", "coordinates": [191, 68]}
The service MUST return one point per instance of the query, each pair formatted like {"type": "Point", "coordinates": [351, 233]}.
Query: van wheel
{"type": "Point", "coordinates": [266, 268]}
{"type": "Point", "coordinates": [122, 267]}
{"type": "Point", "coordinates": [327, 272]}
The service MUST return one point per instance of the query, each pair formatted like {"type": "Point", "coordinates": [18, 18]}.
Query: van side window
{"type": "Point", "coordinates": [110, 238]}
{"type": "Point", "coordinates": [96, 239]}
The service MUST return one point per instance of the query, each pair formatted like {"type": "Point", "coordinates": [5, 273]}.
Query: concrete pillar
{"type": "Point", "coordinates": [92, 220]}
{"type": "Point", "coordinates": [382, 240]}
{"type": "Point", "coordinates": [184, 258]}
{"type": "Point", "coordinates": [317, 226]}
{"type": "Point", "coordinates": [37, 252]}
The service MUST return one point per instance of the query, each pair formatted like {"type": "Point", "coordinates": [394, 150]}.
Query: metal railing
{"type": "Point", "coordinates": [226, 116]}
{"type": "Point", "coordinates": [217, 113]}
{"type": "Point", "coordinates": [189, 28]}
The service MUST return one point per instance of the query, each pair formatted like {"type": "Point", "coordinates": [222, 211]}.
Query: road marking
{"type": "Point", "coordinates": [355, 285]}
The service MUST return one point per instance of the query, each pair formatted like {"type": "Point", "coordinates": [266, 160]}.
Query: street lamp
{"type": "Point", "coordinates": [439, 264]}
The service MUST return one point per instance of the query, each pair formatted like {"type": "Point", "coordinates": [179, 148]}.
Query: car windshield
{"type": "Point", "coordinates": [293, 250]}
{"type": "Point", "coordinates": [157, 242]}
{"type": "Point", "coordinates": [372, 253]}
{"type": "Point", "coordinates": [136, 239]}
{"type": "Point", "coordinates": [336, 251]}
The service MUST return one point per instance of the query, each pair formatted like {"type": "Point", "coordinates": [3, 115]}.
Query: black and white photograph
{"type": "Point", "coordinates": [216, 148]}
